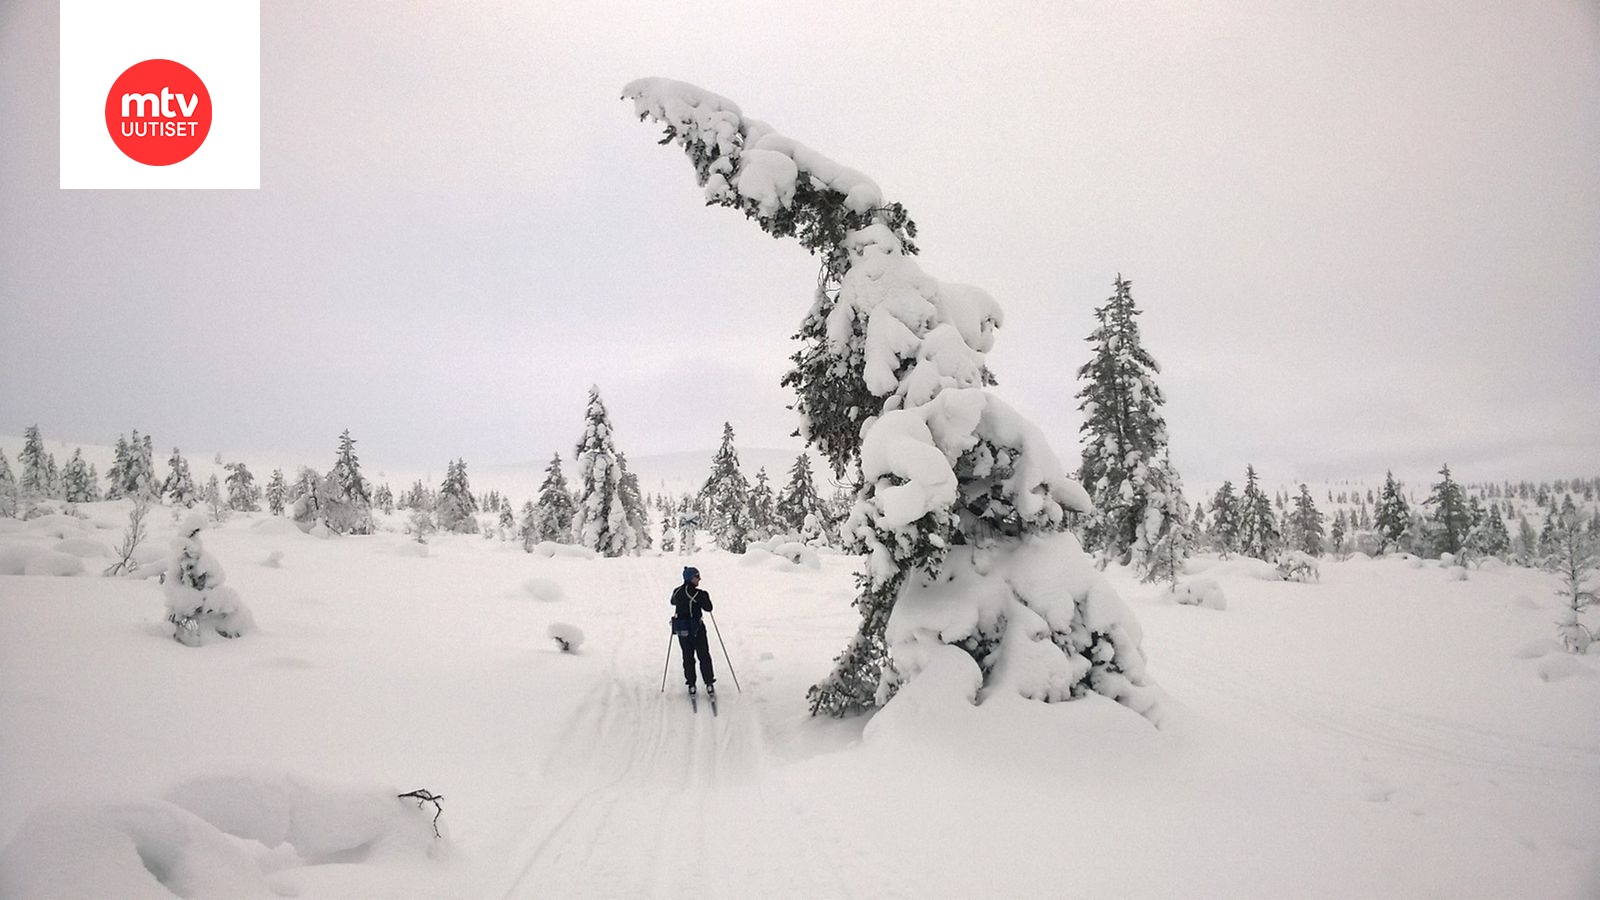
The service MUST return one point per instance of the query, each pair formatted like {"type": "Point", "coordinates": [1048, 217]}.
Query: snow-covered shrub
{"type": "Point", "coordinates": [568, 637]}
{"type": "Point", "coordinates": [961, 500]}
{"type": "Point", "coordinates": [790, 547]}
{"type": "Point", "coordinates": [1295, 565]}
{"type": "Point", "coordinates": [551, 550]}
{"type": "Point", "coordinates": [1200, 592]}
{"type": "Point", "coordinates": [197, 599]}
{"type": "Point", "coordinates": [1456, 573]}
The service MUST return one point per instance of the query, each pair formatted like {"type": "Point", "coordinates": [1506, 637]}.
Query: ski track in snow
{"type": "Point", "coordinates": [645, 797]}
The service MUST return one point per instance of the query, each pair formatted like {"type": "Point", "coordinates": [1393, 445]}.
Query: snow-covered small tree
{"type": "Point", "coordinates": [421, 524]}
{"type": "Point", "coordinates": [76, 486]}
{"type": "Point", "coordinates": [688, 527]}
{"type": "Point", "coordinates": [633, 505]}
{"type": "Point", "coordinates": [179, 484]}
{"type": "Point", "coordinates": [1338, 536]}
{"type": "Point", "coordinates": [8, 489]}
{"type": "Point", "coordinates": [600, 516]}
{"type": "Point", "coordinates": [455, 508]}
{"type": "Point", "coordinates": [508, 523]}
{"type": "Point", "coordinates": [798, 501]}
{"type": "Point", "coordinates": [1574, 557]}
{"type": "Point", "coordinates": [383, 498]}
{"type": "Point", "coordinates": [198, 600]}
{"type": "Point", "coordinates": [212, 497]}
{"type": "Point", "coordinates": [132, 538]}
{"type": "Point", "coordinates": [1526, 548]}
{"type": "Point", "coordinates": [1305, 524]}
{"type": "Point", "coordinates": [555, 508]}
{"type": "Point", "coordinates": [1124, 435]}
{"type": "Point", "coordinates": [1166, 537]}
{"type": "Point", "coordinates": [1393, 516]}
{"type": "Point", "coordinates": [346, 499]}
{"type": "Point", "coordinates": [1225, 520]}
{"type": "Point", "coordinates": [1451, 519]}
{"type": "Point", "coordinates": [669, 524]}
{"type": "Point", "coordinates": [725, 497]}
{"type": "Point", "coordinates": [243, 495]}
{"type": "Point", "coordinates": [763, 509]}
{"type": "Point", "coordinates": [53, 487]}
{"type": "Point", "coordinates": [277, 492]}
{"type": "Point", "coordinates": [1489, 537]}
{"type": "Point", "coordinates": [139, 475]}
{"type": "Point", "coordinates": [119, 465]}
{"type": "Point", "coordinates": [306, 497]}
{"type": "Point", "coordinates": [33, 461]}
{"type": "Point", "coordinates": [346, 473]}
{"type": "Point", "coordinates": [528, 527]}
{"type": "Point", "coordinates": [1259, 535]}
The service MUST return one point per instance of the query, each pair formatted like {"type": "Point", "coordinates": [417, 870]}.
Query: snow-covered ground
{"type": "Point", "coordinates": [1388, 731]}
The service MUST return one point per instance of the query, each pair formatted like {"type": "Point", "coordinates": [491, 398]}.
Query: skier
{"type": "Point", "coordinates": [688, 601]}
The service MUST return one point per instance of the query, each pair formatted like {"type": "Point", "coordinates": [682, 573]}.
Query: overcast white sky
{"type": "Point", "coordinates": [1365, 234]}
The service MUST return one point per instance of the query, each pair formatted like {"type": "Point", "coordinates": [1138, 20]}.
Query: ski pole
{"type": "Point", "coordinates": [664, 665]}
{"type": "Point", "coordinates": [724, 652]}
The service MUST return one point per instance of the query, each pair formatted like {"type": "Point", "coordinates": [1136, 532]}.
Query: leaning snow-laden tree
{"type": "Point", "coordinates": [197, 599]}
{"type": "Point", "coordinates": [600, 516]}
{"type": "Point", "coordinates": [1125, 466]}
{"type": "Point", "coordinates": [961, 500]}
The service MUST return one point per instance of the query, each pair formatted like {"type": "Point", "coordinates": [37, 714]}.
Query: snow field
{"type": "Point", "coordinates": [1384, 732]}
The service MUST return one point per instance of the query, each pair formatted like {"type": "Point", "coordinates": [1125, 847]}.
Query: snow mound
{"type": "Point", "coordinates": [88, 548]}
{"type": "Point", "coordinates": [276, 525]}
{"type": "Point", "coordinates": [320, 530]}
{"type": "Point", "coordinates": [1200, 592]}
{"type": "Point", "coordinates": [12, 526]}
{"type": "Point", "coordinates": [1456, 573]}
{"type": "Point", "coordinates": [1537, 648]}
{"type": "Point", "coordinates": [1241, 566]}
{"type": "Point", "coordinates": [568, 637]}
{"type": "Point", "coordinates": [1559, 666]}
{"type": "Point", "coordinates": [60, 526]}
{"type": "Point", "coordinates": [786, 547]}
{"type": "Point", "coordinates": [54, 563]}
{"type": "Point", "coordinates": [412, 548]}
{"type": "Point", "coordinates": [274, 560]}
{"type": "Point", "coordinates": [543, 589]}
{"type": "Point", "coordinates": [219, 837]}
{"type": "Point", "coordinates": [14, 557]}
{"type": "Point", "coordinates": [551, 550]}
{"type": "Point", "coordinates": [945, 688]}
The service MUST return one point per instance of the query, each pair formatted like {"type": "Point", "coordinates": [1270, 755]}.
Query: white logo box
{"type": "Point", "coordinates": [219, 39]}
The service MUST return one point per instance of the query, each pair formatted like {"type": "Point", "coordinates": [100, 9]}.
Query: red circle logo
{"type": "Point", "coordinates": [158, 112]}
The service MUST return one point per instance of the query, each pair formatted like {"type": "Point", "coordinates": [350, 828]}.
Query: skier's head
{"type": "Point", "coordinates": [691, 575]}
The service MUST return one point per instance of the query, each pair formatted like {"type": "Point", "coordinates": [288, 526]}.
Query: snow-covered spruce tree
{"type": "Point", "coordinates": [1225, 520]}
{"type": "Point", "coordinates": [211, 496]}
{"type": "Point", "coordinates": [555, 509]}
{"type": "Point", "coordinates": [1338, 540]}
{"type": "Point", "coordinates": [1574, 557]}
{"type": "Point", "coordinates": [119, 465]}
{"type": "Point", "coordinates": [1451, 520]}
{"type": "Point", "coordinates": [633, 505]}
{"type": "Point", "coordinates": [455, 509]}
{"type": "Point", "coordinates": [140, 475]}
{"type": "Point", "coordinates": [1166, 537]}
{"type": "Point", "coordinates": [528, 527]}
{"type": "Point", "coordinates": [798, 503]}
{"type": "Point", "coordinates": [277, 492]}
{"type": "Point", "coordinates": [726, 497]}
{"type": "Point", "coordinates": [179, 484]}
{"type": "Point", "coordinates": [1393, 516]}
{"type": "Point", "coordinates": [688, 527]}
{"type": "Point", "coordinates": [243, 495]}
{"type": "Point", "coordinates": [508, 522]}
{"type": "Point", "coordinates": [669, 524]}
{"type": "Point", "coordinates": [1305, 524]}
{"type": "Point", "coordinates": [306, 498]}
{"type": "Point", "coordinates": [347, 499]}
{"type": "Point", "coordinates": [763, 508]}
{"type": "Point", "coordinates": [1124, 435]}
{"type": "Point", "coordinates": [1489, 537]}
{"type": "Point", "coordinates": [8, 489]}
{"type": "Point", "coordinates": [961, 501]}
{"type": "Point", "coordinates": [599, 517]}
{"type": "Point", "coordinates": [1258, 526]}
{"type": "Point", "coordinates": [53, 487]}
{"type": "Point", "coordinates": [197, 599]}
{"type": "Point", "coordinates": [75, 484]}
{"type": "Point", "coordinates": [35, 477]}
{"type": "Point", "coordinates": [383, 498]}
